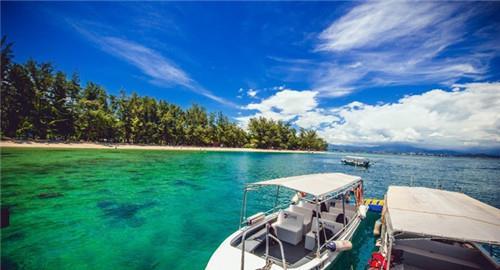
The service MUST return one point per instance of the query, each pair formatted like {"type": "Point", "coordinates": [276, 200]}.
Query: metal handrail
{"type": "Point", "coordinates": [338, 233]}
{"type": "Point", "coordinates": [243, 238]}
{"type": "Point", "coordinates": [243, 248]}
{"type": "Point", "coordinates": [283, 260]}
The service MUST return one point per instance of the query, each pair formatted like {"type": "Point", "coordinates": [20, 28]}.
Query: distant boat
{"type": "Point", "coordinates": [316, 226]}
{"type": "Point", "coordinates": [356, 161]}
{"type": "Point", "coordinates": [424, 228]}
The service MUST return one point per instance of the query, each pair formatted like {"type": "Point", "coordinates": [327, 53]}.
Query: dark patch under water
{"type": "Point", "coordinates": [50, 195]}
{"type": "Point", "coordinates": [124, 211]}
{"type": "Point", "coordinates": [171, 210]}
{"type": "Point", "coordinates": [186, 183]}
{"type": "Point", "coordinates": [15, 236]}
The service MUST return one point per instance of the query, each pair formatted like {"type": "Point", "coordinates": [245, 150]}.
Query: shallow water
{"type": "Point", "coordinates": [133, 209]}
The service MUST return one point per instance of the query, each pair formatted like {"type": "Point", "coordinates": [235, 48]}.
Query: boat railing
{"type": "Point", "coordinates": [243, 249]}
{"type": "Point", "coordinates": [267, 212]}
{"type": "Point", "coordinates": [337, 234]}
{"type": "Point", "coordinates": [243, 237]}
{"type": "Point", "coordinates": [283, 260]}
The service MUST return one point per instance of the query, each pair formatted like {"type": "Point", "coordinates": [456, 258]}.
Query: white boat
{"type": "Point", "coordinates": [292, 235]}
{"type": "Point", "coordinates": [424, 228]}
{"type": "Point", "coordinates": [356, 161]}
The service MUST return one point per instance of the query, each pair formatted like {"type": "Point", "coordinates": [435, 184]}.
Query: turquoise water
{"type": "Point", "coordinates": [133, 209]}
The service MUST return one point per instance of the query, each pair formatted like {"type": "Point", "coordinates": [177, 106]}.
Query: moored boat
{"type": "Point", "coordinates": [308, 232]}
{"type": "Point", "coordinates": [424, 228]}
{"type": "Point", "coordinates": [356, 161]}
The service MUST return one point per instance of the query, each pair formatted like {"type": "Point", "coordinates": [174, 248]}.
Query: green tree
{"type": "Point", "coordinates": [39, 103]}
{"type": "Point", "coordinates": [95, 122]}
{"type": "Point", "coordinates": [196, 126]}
{"type": "Point", "coordinates": [309, 140]}
{"type": "Point", "coordinates": [62, 124]}
{"type": "Point", "coordinates": [171, 124]}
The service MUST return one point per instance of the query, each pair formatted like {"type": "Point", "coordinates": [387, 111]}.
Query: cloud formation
{"type": "Point", "coordinates": [252, 93]}
{"type": "Point", "coordinates": [161, 70]}
{"type": "Point", "coordinates": [284, 105]}
{"type": "Point", "coordinates": [380, 43]}
{"type": "Point", "coordinates": [466, 117]}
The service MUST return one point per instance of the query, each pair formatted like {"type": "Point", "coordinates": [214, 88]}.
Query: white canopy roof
{"type": "Point", "coordinates": [314, 184]}
{"type": "Point", "coordinates": [355, 157]}
{"type": "Point", "coordinates": [439, 213]}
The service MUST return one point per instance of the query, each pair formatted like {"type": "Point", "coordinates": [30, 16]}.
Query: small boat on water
{"type": "Point", "coordinates": [356, 161]}
{"type": "Point", "coordinates": [308, 232]}
{"type": "Point", "coordinates": [424, 228]}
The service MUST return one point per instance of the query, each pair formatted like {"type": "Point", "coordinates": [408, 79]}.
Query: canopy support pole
{"type": "Point", "coordinates": [317, 228]}
{"type": "Point", "coordinates": [243, 207]}
{"type": "Point", "coordinates": [388, 259]}
{"type": "Point", "coordinates": [276, 199]}
{"type": "Point", "coordinates": [343, 209]}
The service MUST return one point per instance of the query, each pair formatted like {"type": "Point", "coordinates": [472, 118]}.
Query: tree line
{"type": "Point", "coordinates": [38, 102]}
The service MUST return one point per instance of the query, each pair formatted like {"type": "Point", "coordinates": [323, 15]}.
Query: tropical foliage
{"type": "Point", "coordinates": [38, 102]}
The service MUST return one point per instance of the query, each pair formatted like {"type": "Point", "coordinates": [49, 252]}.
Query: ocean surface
{"type": "Point", "coordinates": [134, 209]}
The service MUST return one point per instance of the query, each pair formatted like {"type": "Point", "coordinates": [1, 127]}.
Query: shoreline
{"type": "Point", "coordinates": [118, 146]}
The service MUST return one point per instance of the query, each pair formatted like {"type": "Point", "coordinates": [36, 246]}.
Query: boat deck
{"type": "Point", "coordinates": [295, 255]}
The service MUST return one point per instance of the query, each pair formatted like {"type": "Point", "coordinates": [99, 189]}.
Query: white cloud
{"type": "Point", "coordinates": [374, 23]}
{"type": "Point", "coordinates": [252, 93]}
{"type": "Point", "coordinates": [147, 60]}
{"type": "Point", "coordinates": [289, 102]}
{"type": "Point", "coordinates": [381, 43]}
{"type": "Point", "coordinates": [435, 119]}
{"type": "Point", "coordinates": [284, 105]}
{"type": "Point", "coordinates": [462, 118]}
{"type": "Point", "coordinates": [161, 70]}
{"type": "Point", "coordinates": [315, 119]}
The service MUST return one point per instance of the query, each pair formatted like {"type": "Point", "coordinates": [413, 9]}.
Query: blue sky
{"type": "Point", "coordinates": [336, 67]}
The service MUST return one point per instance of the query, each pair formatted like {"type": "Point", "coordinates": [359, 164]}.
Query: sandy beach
{"type": "Point", "coordinates": [90, 145]}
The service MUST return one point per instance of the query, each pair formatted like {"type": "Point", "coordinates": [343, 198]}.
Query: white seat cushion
{"type": "Point", "coordinates": [307, 205]}
{"type": "Point", "coordinates": [307, 213]}
{"type": "Point", "coordinates": [290, 227]}
{"type": "Point", "coordinates": [333, 226]}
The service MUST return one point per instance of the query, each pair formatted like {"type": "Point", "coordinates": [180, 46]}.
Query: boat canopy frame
{"type": "Point", "coordinates": [318, 198]}
{"type": "Point", "coordinates": [404, 206]}
{"type": "Point", "coordinates": [412, 198]}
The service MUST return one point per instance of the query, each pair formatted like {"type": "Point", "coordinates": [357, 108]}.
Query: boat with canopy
{"type": "Point", "coordinates": [356, 161]}
{"type": "Point", "coordinates": [307, 232]}
{"type": "Point", "coordinates": [424, 228]}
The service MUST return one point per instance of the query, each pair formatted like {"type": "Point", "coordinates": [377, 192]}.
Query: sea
{"type": "Point", "coordinates": [150, 209]}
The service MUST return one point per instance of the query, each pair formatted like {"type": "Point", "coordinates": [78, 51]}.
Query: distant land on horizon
{"type": "Point", "coordinates": [407, 149]}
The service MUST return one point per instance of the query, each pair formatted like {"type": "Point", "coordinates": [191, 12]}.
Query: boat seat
{"type": "Point", "coordinates": [335, 212]}
{"type": "Point", "coordinates": [337, 204]}
{"type": "Point", "coordinates": [307, 213]}
{"type": "Point", "coordinates": [330, 225]}
{"type": "Point", "coordinates": [312, 206]}
{"type": "Point", "coordinates": [333, 227]}
{"type": "Point", "coordinates": [334, 217]}
{"type": "Point", "coordinates": [307, 205]}
{"type": "Point", "coordinates": [289, 227]}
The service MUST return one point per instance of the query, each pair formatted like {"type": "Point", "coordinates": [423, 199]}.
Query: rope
{"type": "Point", "coordinates": [268, 265]}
